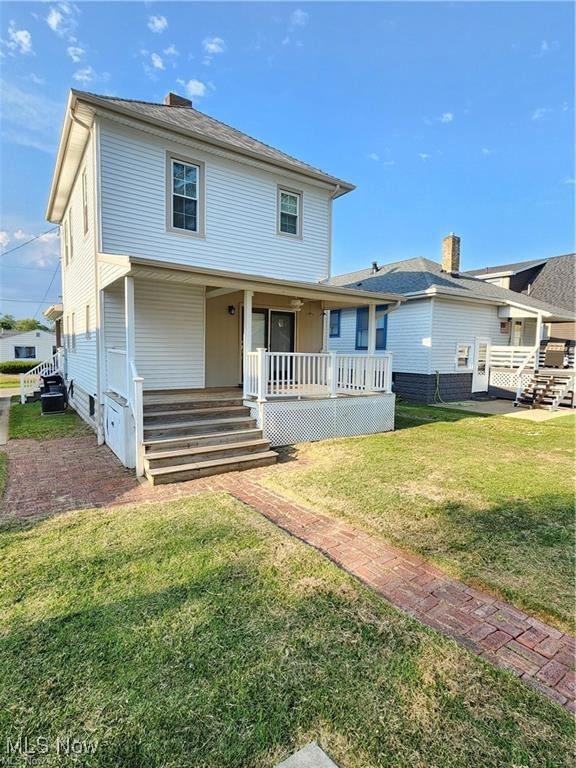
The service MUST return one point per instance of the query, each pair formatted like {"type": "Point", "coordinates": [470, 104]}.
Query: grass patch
{"type": "Point", "coordinates": [489, 499]}
{"type": "Point", "coordinates": [195, 633]}
{"type": "Point", "coordinates": [9, 381]}
{"type": "Point", "coordinates": [27, 422]}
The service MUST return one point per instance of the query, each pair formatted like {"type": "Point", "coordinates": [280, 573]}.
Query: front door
{"type": "Point", "coordinates": [281, 331]}
{"type": "Point", "coordinates": [481, 374]}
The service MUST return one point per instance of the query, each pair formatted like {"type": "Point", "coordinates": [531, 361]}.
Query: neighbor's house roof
{"type": "Point", "coordinates": [186, 121]}
{"type": "Point", "coordinates": [422, 278]}
{"type": "Point", "coordinates": [7, 333]}
{"type": "Point", "coordinates": [504, 270]}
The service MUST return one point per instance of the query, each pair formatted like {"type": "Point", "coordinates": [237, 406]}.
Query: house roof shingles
{"type": "Point", "coordinates": [188, 119]}
{"type": "Point", "coordinates": [415, 276]}
{"type": "Point", "coordinates": [557, 280]}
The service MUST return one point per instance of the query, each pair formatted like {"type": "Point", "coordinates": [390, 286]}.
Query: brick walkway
{"type": "Point", "coordinates": [59, 475]}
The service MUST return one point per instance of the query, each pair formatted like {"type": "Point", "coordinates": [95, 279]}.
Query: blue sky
{"type": "Point", "coordinates": [447, 116]}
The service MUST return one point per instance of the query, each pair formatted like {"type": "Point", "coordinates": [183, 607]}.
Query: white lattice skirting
{"type": "Point", "coordinates": [508, 379]}
{"type": "Point", "coordinates": [285, 422]}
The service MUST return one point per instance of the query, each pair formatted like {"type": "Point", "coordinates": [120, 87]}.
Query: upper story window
{"type": "Point", "coordinates": [362, 327]}
{"type": "Point", "coordinates": [185, 196]}
{"type": "Point", "coordinates": [290, 212]}
{"type": "Point", "coordinates": [84, 201]}
{"type": "Point", "coordinates": [334, 323]}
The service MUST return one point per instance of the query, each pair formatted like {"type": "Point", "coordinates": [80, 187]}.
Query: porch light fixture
{"type": "Point", "coordinates": [231, 309]}
{"type": "Point", "coordinates": [297, 304]}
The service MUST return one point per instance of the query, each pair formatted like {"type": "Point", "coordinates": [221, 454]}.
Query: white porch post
{"type": "Point", "coordinates": [246, 338]}
{"type": "Point", "coordinates": [262, 374]}
{"type": "Point", "coordinates": [538, 340]}
{"type": "Point", "coordinates": [129, 323]}
{"type": "Point", "coordinates": [371, 329]}
{"type": "Point", "coordinates": [325, 329]}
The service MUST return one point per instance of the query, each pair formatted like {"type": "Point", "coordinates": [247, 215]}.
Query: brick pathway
{"type": "Point", "coordinates": [59, 475]}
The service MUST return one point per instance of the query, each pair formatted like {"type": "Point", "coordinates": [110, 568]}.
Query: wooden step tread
{"type": "Point", "coordinates": [159, 441]}
{"type": "Point", "coordinates": [203, 465]}
{"type": "Point", "coordinates": [196, 411]}
{"type": "Point", "coordinates": [210, 448]}
{"type": "Point", "coordinates": [161, 425]}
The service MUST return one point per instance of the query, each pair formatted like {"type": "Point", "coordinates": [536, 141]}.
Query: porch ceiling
{"type": "Point", "coordinates": [221, 281]}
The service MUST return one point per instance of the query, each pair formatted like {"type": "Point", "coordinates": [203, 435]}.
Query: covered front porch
{"type": "Point", "coordinates": [168, 332]}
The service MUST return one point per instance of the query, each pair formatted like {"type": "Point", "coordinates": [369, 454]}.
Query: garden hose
{"type": "Point", "coordinates": [437, 397]}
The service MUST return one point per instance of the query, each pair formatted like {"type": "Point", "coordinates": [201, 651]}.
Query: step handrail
{"type": "Point", "coordinates": [29, 380]}
{"type": "Point", "coordinates": [136, 403]}
{"type": "Point", "coordinates": [523, 365]}
{"type": "Point", "coordinates": [565, 388]}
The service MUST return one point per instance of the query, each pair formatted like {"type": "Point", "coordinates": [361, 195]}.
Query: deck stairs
{"type": "Point", "coordinates": [548, 390]}
{"type": "Point", "coordinates": [189, 435]}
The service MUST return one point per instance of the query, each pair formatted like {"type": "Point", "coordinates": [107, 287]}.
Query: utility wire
{"type": "Point", "coordinates": [32, 301]}
{"type": "Point", "coordinates": [16, 247]}
{"type": "Point", "coordinates": [47, 290]}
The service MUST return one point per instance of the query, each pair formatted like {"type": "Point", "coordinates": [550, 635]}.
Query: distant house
{"type": "Point", "coordinates": [552, 280]}
{"type": "Point", "coordinates": [454, 335]}
{"type": "Point", "coordinates": [26, 345]}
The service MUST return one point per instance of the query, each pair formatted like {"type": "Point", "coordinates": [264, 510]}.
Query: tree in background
{"type": "Point", "coordinates": [9, 322]}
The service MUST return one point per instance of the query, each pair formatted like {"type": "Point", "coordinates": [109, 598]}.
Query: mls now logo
{"type": "Point", "coordinates": [24, 746]}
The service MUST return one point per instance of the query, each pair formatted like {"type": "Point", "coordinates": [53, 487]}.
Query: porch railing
{"type": "Point", "coordinates": [309, 374]}
{"type": "Point", "coordinates": [136, 403]}
{"type": "Point", "coordinates": [512, 357]}
{"type": "Point", "coordinates": [29, 382]}
{"type": "Point", "coordinates": [117, 371]}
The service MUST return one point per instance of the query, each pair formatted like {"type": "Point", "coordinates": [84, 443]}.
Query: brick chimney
{"type": "Point", "coordinates": [451, 254]}
{"type": "Point", "coordinates": [174, 100]}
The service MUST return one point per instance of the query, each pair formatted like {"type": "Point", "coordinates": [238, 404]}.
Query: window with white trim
{"type": "Point", "coordinates": [185, 194]}
{"type": "Point", "coordinates": [463, 356]}
{"type": "Point", "coordinates": [24, 353]}
{"type": "Point", "coordinates": [289, 212]}
{"type": "Point", "coordinates": [85, 201]}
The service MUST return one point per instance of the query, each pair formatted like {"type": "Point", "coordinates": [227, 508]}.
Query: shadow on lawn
{"type": "Point", "coordinates": [227, 671]}
{"type": "Point", "coordinates": [410, 415]}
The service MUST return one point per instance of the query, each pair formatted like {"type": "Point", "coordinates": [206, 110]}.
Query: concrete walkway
{"type": "Point", "coordinates": [4, 416]}
{"type": "Point", "coordinates": [75, 473]}
{"type": "Point", "coordinates": [505, 408]}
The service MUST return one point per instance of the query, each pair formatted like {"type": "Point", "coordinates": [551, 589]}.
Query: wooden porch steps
{"type": "Point", "coordinates": [544, 390]}
{"type": "Point", "coordinates": [187, 437]}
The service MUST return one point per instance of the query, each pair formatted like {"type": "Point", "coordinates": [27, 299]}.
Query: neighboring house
{"type": "Point", "coordinates": [26, 345]}
{"type": "Point", "coordinates": [552, 280]}
{"type": "Point", "coordinates": [54, 315]}
{"type": "Point", "coordinates": [188, 246]}
{"type": "Point", "coordinates": [455, 335]}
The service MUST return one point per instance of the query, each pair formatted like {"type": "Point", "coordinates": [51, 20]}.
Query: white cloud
{"type": "Point", "coordinates": [194, 88]}
{"type": "Point", "coordinates": [541, 112]}
{"type": "Point", "coordinates": [4, 238]}
{"type": "Point", "coordinates": [423, 156]}
{"type": "Point", "coordinates": [29, 119]}
{"type": "Point", "coordinates": [171, 51]}
{"type": "Point", "coordinates": [570, 180]}
{"type": "Point", "coordinates": [35, 79]}
{"type": "Point", "coordinates": [214, 45]}
{"type": "Point", "coordinates": [157, 23]}
{"type": "Point", "coordinates": [447, 117]}
{"type": "Point", "coordinates": [546, 47]}
{"type": "Point", "coordinates": [388, 162]}
{"type": "Point", "coordinates": [21, 235]}
{"type": "Point", "coordinates": [88, 75]}
{"type": "Point", "coordinates": [299, 18]}
{"type": "Point", "coordinates": [54, 20]}
{"type": "Point", "coordinates": [374, 156]}
{"type": "Point", "coordinates": [157, 62]}
{"type": "Point", "coordinates": [62, 19]}
{"type": "Point", "coordinates": [19, 40]}
{"type": "Point", "coordinates": [75, 52]}
{"type": "Point", "coordinates": [486, 151]}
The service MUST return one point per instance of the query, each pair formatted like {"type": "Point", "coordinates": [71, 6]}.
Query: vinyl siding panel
{"type": "Point", "coordinates": [114, 323]}
{"type": "Point", "coordinates": [408, 336]}
{"type": "Point", "coordinates": [240, 211]}
{"type": "Point", "coordinates": [170, 321]}
{"type": "Point", "coordinates": [79, 283]}
{"type": "Point", "coordinates": [41, 340]}
{"type": "Point", "coordinates": [456, 323]}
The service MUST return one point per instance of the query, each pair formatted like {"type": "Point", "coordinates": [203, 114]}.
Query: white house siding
{"type": "Point", "coordinates": [170, 319]}
{"type": "Point", "coordinates": [41, 340]}
{"type": "Point", "coordinates": [240, 211]}
{"type": "Point", "coordinates": [79, 291]}
{"type": "Point", "coordinates": [455, 322]}
{"type": "Point", "coordinates": [408, 336]}
{"type": "Point", "coordinates": [113, 321]}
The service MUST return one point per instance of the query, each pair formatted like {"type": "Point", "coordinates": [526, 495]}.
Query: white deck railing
{"type": "Point", "coordinates": [136, 402]}
{"type": "Point", "coordinates": [512, 357]}
{"type": "Point", "coordinates": [30, 382]}
{"type": "Point", "coordinates": [311, 374]}
{"type": "Point", "coordinates": [117, 371]}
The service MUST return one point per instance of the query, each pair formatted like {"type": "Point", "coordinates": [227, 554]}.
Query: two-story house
{"type": "Point", "coordinates": [195, 262]}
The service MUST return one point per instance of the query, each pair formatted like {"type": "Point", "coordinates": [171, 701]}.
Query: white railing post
{"type": "Point", "coordinates": [22, 391]}
{"type": "Point", "coordinates": [261, 374]}
{"type": "Point", "coordinates": [333, 375]}
{"type": "Point", "coordinates": [388, 377]}
{"type": "Point", "coordinates": [246, 338]}
{"type": "Point", "coordinates": [138, 383]}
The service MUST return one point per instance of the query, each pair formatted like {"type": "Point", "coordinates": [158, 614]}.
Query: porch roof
{"type": "Point", "coordinates": [224, 281]}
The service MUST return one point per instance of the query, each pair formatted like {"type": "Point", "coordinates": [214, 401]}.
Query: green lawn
{"type": "Point", "coordinates": [194, 633]}
{"type": "Point", "coordinates": [8, 381]}
{"type": "Point", "coordinates": [26, 421]}
{"type": "Point", "coordinates": [491, 500]}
